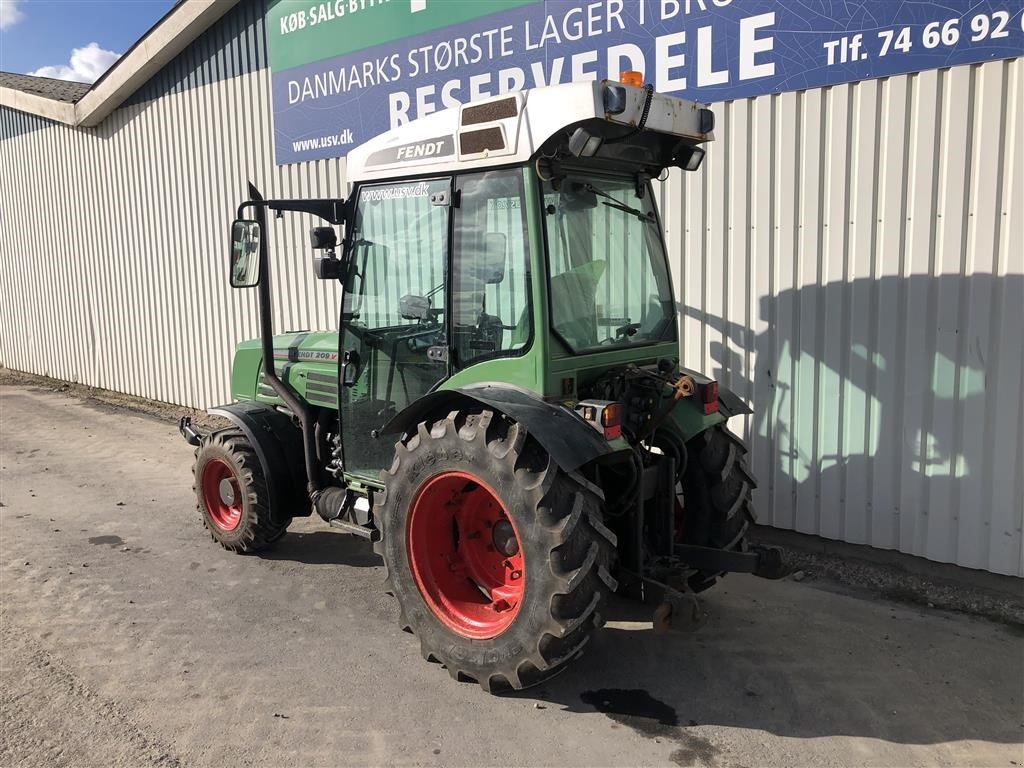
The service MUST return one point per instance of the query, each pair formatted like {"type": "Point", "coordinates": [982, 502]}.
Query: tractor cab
{"type": "Point", "coordinates": [490, 241]}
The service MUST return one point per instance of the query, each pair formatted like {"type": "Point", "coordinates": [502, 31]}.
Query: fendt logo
{"type": "Point", "coordinates": [442, 146]}
{"type": "Point", "coordinates": [426, 149]}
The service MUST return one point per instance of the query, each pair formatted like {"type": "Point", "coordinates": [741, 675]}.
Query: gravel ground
{"type": "Point", "coordinates": [127, 638]}
{"type": "Point", "coordinates": [955, 589]}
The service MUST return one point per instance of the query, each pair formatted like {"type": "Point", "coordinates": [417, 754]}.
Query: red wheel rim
{"type": "Point", "coordinates": [222, 495]}
{"type": "Point", "coordinates": [466, 555]}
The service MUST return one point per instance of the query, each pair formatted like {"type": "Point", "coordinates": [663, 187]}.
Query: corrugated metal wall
{"type": "Point", "coordinates": [117, 274]}
{"type": "Point", "coordinates": [849, 264]}
{"type": "Point", "coordinates": [852, 264]}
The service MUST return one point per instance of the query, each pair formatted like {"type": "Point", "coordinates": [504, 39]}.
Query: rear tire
{"type": "Point", "coordinates": [717, 488]}
{"type": "Point", "coordinates": [231, 493]}
{"type": "Point", "coordinates": [447, 494]}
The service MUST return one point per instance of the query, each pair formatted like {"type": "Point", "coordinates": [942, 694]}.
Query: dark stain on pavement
{"type": "Point", "coordinates": [113, 541]}
{"type": "Point", "coordinates": [635, 708]}
{"type": "Point", "coordinates": [650, 717]}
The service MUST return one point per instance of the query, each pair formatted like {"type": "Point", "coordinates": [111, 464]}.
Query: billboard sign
{"type": "Point", "coordinates": [343, 71]}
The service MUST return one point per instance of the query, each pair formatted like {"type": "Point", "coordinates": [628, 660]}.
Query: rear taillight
{"type": "Point", "coordinates": [605, 416]}
{"type": "Point", "coordinates": [709, 396]}
{"type": "Point", "coordinates": [611, 421]}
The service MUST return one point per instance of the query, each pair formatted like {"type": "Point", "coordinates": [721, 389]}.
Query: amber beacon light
{"type": "Point", "coordinates": [632, 77]}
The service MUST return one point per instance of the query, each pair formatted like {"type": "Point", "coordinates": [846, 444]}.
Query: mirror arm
{"type": "Point", "coordinates": [331, 210]}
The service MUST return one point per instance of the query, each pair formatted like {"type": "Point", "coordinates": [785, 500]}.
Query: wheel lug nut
{"type": "Point", "coordinates": [516, 574]}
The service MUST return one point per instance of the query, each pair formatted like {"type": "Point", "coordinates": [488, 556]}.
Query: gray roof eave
{"type": "Point", "coordinates": [165, 40]}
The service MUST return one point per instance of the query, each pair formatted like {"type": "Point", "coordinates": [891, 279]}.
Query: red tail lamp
{"type": "Point", "coordinates": [611, 420]}
{"type": "Point", "coordinates": [709, 396]}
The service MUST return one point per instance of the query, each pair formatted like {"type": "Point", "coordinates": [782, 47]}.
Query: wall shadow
{"type": "Point", "coordinates": [889, 412]}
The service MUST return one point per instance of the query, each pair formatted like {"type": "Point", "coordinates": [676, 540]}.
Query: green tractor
{"type": "Point", "coordinates": [501, 412]}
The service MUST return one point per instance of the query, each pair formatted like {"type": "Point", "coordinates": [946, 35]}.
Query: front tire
{"type": "Point", "coordinates": [498, 558]}
{"type": "Point", "coordinates": [231, 493]}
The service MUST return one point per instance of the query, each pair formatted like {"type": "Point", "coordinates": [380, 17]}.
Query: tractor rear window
{"type": "Point", "coordinates": [609, 279]}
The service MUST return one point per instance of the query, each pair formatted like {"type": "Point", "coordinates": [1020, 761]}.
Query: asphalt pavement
{"type": "Point", "coordinates": [127, 638]}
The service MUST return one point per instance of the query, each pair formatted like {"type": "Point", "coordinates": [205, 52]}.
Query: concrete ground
{"type": "Point", "coordinates": [128, 638]}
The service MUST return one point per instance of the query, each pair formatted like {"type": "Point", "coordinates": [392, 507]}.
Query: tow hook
{"type": "Point", "coordinates": [190, 433]}
{"type": "Point", "coordinates": [679, 612]}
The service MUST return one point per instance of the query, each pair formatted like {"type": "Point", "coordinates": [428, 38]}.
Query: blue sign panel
{"type": "Point", "coordinates": [329, 97]}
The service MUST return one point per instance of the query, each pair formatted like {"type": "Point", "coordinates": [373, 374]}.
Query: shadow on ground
{"type": "Point", "coordinates": [324, 547]}
{"type": "Point", "coordinates": [786, 658]}
{"type": "Point", "coordinates": [798, 661]}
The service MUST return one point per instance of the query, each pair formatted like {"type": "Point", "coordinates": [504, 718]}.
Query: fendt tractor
{"type": "Point", "coordinates": [501, 411]}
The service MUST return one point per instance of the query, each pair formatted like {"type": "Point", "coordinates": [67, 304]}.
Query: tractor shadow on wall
{"type": "Point", "coordinates": [795, 660]}
{"type": "Point", "coordinates": [883, 409]}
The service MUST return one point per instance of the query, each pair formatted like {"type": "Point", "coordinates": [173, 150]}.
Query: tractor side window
{"type": "Point", "coordinates": [491, 312]}
{"type": "Point", "coordinates": [393, 314]}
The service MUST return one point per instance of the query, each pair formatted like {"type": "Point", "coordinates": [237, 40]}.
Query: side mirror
{"type": "Point", "coordinates": [492, 266]}
{"type": "Point", "coordinates": [245, 253]}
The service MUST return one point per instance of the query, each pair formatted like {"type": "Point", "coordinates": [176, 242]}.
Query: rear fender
{"type": "Point", "coordinates": [569, 440]}
{"type": "Point", "coordinates": [278, 445]}
{"type": "Point", "coordinates": [688, 418]}
{"type": "Point", "coordinates": [729, 403]}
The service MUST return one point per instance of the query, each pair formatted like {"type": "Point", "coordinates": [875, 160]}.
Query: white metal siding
{"type": "Point", "coordinates": [853, 265]}
{"type": "Point", "coordinates": [113, 264]}
{"type": "Point", "coordinates": [849, 264]}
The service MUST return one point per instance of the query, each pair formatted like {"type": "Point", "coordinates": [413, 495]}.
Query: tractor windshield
{"type": "Point", "coordinates": [610, 283]}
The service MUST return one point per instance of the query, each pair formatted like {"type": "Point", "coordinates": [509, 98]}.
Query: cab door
{"type": "Point", "coordinates": [394, 311]}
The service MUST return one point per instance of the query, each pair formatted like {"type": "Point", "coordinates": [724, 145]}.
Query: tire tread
{"type": "Point", "coordinates": [568, 510]}
{"type": "Point", "coordinates": [259, 532]}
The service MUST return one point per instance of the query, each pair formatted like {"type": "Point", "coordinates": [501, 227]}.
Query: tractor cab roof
{"type": "Point", "coordinates": [602, 122]}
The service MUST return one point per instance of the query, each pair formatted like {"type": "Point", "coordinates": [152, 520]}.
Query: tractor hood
{"type": "Point", "coordinates": [513, 127]}
{"type": "Point", "coordinates": [306, 360]}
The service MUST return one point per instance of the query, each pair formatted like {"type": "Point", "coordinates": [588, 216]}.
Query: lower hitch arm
{"type": "Point", "coordinates": [766, 562]}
